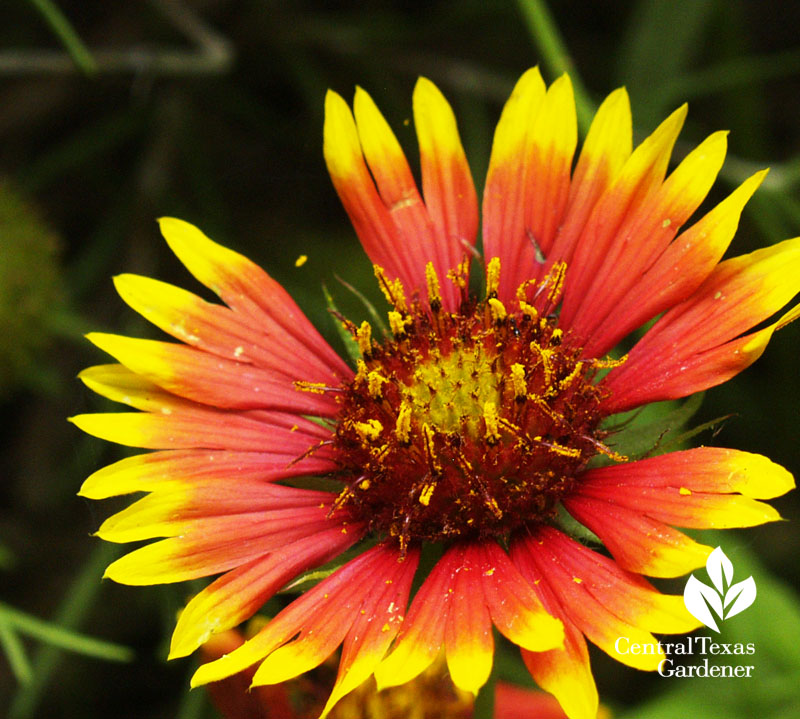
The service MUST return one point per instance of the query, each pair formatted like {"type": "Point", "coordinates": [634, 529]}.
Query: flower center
{"type": "Point", "coordinates": [468, 423]}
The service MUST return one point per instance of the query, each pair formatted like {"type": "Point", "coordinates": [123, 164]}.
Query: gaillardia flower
{"type": "Point", "coordinates": [472, 429]}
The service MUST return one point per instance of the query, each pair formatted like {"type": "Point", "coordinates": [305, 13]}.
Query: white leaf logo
{"type": "Point", "coordinates": [724, 598]}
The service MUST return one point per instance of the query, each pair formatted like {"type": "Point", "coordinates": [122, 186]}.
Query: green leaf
{"type": "Point", "coordinates": [641, 434]}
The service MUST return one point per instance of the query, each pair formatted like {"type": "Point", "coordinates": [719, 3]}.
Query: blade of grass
{"type": "Point", "coordinates": [15, 653]}
{"type": "Point", "coordinates": [57, 636]}
{"type": "Point", "coordinates": [66, 34]}
{"type": "Point", "coordinates": [71, 614]}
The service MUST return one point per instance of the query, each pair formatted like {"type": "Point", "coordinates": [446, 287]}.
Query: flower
{"type": "Point", "coordinates": [471, 428]}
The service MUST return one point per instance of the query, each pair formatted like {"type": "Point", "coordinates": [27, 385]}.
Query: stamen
{"type": "Point", "coordinates": [392, 291]}
{"type": "Point", "coordinates": [314, 387]}
{"type": "Point", "coordinates": [606, 450]}
{"type": "Point", "coordinates": [460, 274]}
{"type": "Point", "coordinates": [432, 279]}
{"type": "Point", "coordinates": [490, 419]}
{"type": "Point", "coordinates": [518, 382]}
{"type": "Point", "coordinates": [497, 309]}
{"type": "Point", "coordinates": [397, 324]}
{"type": "Point", "coordinates": [433, 463]}
{"type": "Point", "coordinates": [426, 493]}
{"type": "Point", "coordinates": [369, 431]}
{"type": "Point", "coordinates": [375, 381]}
{"type": "Point", "coordinates": [607, 362]}
{"type": "Point", "coordinates": [364, 338]}
{"type": "Point", "coordinates": [492, 277]}
{"type": "Point", "coordinates": [402, 429]}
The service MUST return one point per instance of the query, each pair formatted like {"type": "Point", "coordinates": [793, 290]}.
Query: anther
{"type": "Point", "coordinates": [392, 291]}
{"type": "Point", "coordinates": [369, 431]}
{"type": "Point", "coordinates": [402, 428]}
{"type": "Point", "coordinates": [364, 338]}
{"type": "Point", "coordinates": [490, 420]}
{"type": "Point", "coordinates": [497, 310]}
{"type": "Point", "coordinates": [397, 324]}
{"type": "Point", "coordinates": [518, 383]}
{"type": "Point", "coordinates": [492, 277]}
{"type": "Point", "coordinates": [432, 279]}
{"type": "Point", "coordinates": [375, 381]}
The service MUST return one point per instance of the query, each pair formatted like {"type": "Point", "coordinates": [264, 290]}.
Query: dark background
{"type": "Point", "coordinates": [230, 138]}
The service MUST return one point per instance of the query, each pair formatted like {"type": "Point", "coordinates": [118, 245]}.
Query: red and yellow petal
{"type": "Point", "coordinates": [198, 429]}
{"type": "Point", "coordinates": [706, 487]}
{"type": "Point", "coordinates": [375, 626]}
{"type": "Point", "coordinates": [607, 147]}
{"type": "Point", "coordinates": [641, 175]}
{"type": "Point", "coordinates": [319, 619]}
{"type": "Point", "coordinates": [237, 595]}
{"type": "Point", "coordinates": [422, 634]}
{"type": "Point", "coordinates": [447, 184]}
{"type": "Point", "coordinates": [210, 379]}
{"type": "Point", "coordinates": [513, 605]}
{"type": "Point", "coordinates": [154, 470]}
{"type": "Point", "coordinates": [638, 542]}
{"type": "Point", "coordinates": [184, 508]}
{"type": "Point", "coordinates": [564, 671]}
{"type": "Point", "coordinates": [504, 233]}
{"type": "Point", "coordinates": [169, 422]}
{"type": "Point", "coordinates": [678, 271]}
{"type": "Point", "coordinates": [246, 289]}
{"type": "Point", "coordinates": [217, 545]}
{"type": "Point", "coordinates": [528, 182]}
{"type": "Point", "coordinates": [698, 343]}
{"type": "Point", "coordinates": [644, 235]}
{"type": "Point", "coordinates": [220, 331]}
{"type": "Point", "coordinates": [354, 185]}
{"type": "Point", "coordinates": [602, 600]}
{"type": "Point", "coordinates": [468, 641]}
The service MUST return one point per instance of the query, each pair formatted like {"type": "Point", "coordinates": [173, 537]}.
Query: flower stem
{"type": "Point", "coordinates": [547, 38]}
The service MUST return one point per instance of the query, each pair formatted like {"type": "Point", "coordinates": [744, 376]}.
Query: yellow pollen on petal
{"type": "Point", "coordinates": [609, 362]}
{"type": "Point", "coordinates": [432, 280]}
{"type": "Point", "coordinates": [312, 387]}
{"type": "Point", "coordinates": [492, 277]}
{"type": "Point", "coordinates": [492, 424]}
{"type": "Point", "coordinates": [497, 308]}
{"type": "Point", "coordinates": [364, 338]}
{"type": "Point", "coordinates": [365, 484]}
{"type": "Point", "coordinates": [577, 580]}
{"type": "Point", "coordinates": [685, 491]}
{"type": "Point", "coordinates": [518, 382]}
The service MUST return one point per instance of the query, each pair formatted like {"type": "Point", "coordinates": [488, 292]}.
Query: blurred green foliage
{"type": "Point", "coordinates": [211, 110]}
